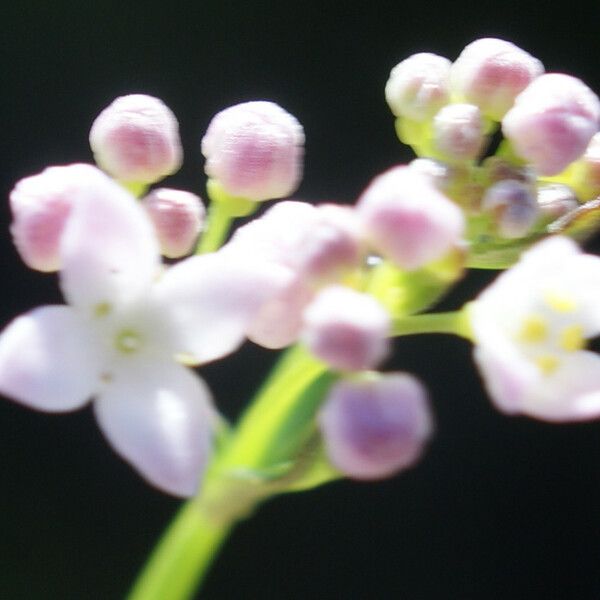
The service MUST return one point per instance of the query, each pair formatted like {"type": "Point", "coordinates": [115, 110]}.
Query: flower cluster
{"type": "Point", "coordinates": [339, 281]}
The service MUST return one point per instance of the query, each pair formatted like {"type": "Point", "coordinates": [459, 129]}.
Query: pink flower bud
{"type": "Point", "coordinates": [513, 206]}
{"type": "Point", "coordinates": [255, 150]}
{"type": "Point", "coordinates": [374, 427]}
{"type": "Point", "coordinates": [407, 219]}
{"type": "Point", "coordinates": [490, 73]}
{"type": "Point", "coordinates": [346, 329]}
{"type": "Point", "coordinates": [40, 205]}
{"type": "Point", "coordinates": [136, 139]}
{"type": "Point", "coordinates": [552, 122]}
{"type": "Point", "coordinates": [458, 132]}
{"type": "Point", "coordinates": [178, 217]}
{"type": "Point", "coordinates": [418, 86]}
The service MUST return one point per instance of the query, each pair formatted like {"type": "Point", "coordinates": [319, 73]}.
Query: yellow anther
{"type": "Point", "coordinates": [547, 363]}
{"type": "Point", "coordinates": [128, 341]}
{"type": "Point", "coordinates": [560, 302]}
{"type": "Point", "coordinates": [571, 338]}
{"type": "Point", "coordinates": [533, 330]}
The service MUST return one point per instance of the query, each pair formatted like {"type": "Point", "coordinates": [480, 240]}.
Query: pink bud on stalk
{"type": "Point", "coordinates": [136, 139]}
{"type": "Point", "coordinates": [376, 426]}
{"type": "Point", "coordinates": [178, 217]}
{"type": "Point", "coordinates": [491, 73]}
{"type": "Point", "coordinates": [552, 122]}
{"type": "Point", "coordinates": [407, 219]}
{"type": "Point", "coordinates": [418, 86]}
{"type": "Point", "coordinates": [458, 132]}
{"type": "Point", "coordinates": [255, 150]}
{"type": "Point", "coordinates": [346, 329]}
{"type": "Point", "coordinates": [40, 206]}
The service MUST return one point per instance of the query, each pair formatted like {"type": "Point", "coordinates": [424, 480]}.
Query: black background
{"type": "Point", "coordinates": [499, 508]}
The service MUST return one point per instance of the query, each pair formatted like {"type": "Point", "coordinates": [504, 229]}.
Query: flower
{"type": "Point", "coordinates": [136, 139]}
{"type": "Point", "coordinates": [530, 329]}
{"type": "Point", "coordinates": [255, 150]}
{"type": "Point", "coordinates": [126, 328]}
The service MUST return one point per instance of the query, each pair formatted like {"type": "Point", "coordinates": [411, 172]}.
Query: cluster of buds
{"type": "Point", "coordinates": [339, 281]}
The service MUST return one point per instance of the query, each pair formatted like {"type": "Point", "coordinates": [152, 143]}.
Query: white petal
{"type": "Point", "coordinates": [47, 361]}
{"type": "Point", "coordinates": [572, 393]}
{"type": "Point", "coordinates": [158, 417]}
{"type": "Point", "coordinates": [213, 298]}
{"type": "Point", "coordinates": [109, 250]}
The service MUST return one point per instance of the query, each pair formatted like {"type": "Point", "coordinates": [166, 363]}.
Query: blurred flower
{"type": "Point", "coordinates": [458, 132]}
{"type": "Point", "coordinates": [530, 329]}
{"type": "Point", "coordinates": [255, 151]}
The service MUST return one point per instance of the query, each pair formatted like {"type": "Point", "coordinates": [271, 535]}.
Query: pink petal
{"type": "Point", "coordinates": [158, 417]}
{"type": "Point", "coordinates": [47, 361]}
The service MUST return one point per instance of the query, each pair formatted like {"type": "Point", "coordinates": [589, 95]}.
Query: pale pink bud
{"type": "Point", "coordinates": [40, 205]}
{"type": "Point", "coordinates": [458, 132]}
{"type": "Point", "coordinates": [513, 206]}
{"type": "Point", "coordinates": [490, 73]}
{"type": "Point", "coordinates": [255, 150]}
{"type": "Point", "coordinates": [418, 86]}
{"type": "Point", "coordinates": [136, 139]}
{"type": "Point", "coordinates": [178, 217]}
{"type": "Point", "coordinates": [376, 426]}
{"type": "Point", "coordinates": [407, 219]}
{"type": "Point", "coordinates": [552, 122]}
{"type": "Point", "coordinates": [346, 329]}
{"type": "Point", "coordinates": [555, 200]}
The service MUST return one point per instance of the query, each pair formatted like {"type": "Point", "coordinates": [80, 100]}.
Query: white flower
{"type": "Point", "coordinates": [119, 336]}
{"type": "Point", "coordinates": [530, 328]}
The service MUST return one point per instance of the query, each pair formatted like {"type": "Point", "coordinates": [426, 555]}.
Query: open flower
{"type": "Point", "coordinates": [530, 328]}
{"type": "Point", "coordinates": [120, 336]}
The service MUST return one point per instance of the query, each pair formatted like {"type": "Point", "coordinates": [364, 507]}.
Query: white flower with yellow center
{"type": "Point", "coordinates": [531, 327]}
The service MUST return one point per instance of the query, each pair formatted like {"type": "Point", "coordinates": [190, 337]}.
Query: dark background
{"type": "Point", "coordinates": [499, 508]}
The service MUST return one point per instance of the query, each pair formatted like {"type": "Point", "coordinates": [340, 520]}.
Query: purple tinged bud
{"type": "Point", "coordinates": [178, 217]}
{"type": "Point", "coordinates": [491, 73]}
{"type": "Point", "coordinates": [377, 425]}
{"type": "Point", "coordinates": [136, 139]}
{"type": "Point", "coordinates": [407, 219]}
{"type": "Point", "coordinates": [552, 122]}
{"type": "Point", "coordinates": [513, 206]}
{"type": "Point", "coordinates": [346, 329]}
{"type": "Point", "coordinates": [458, 132]}
{"type": "Point", "coordinates": [255, 150]}
{"type": "Point", "coordinates": [418, 86]}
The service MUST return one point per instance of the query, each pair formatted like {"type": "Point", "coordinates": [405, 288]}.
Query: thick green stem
{"type": "Point", "coordinates": [455, 323]}
{"type": "Point", "coordinates": [218, 223]}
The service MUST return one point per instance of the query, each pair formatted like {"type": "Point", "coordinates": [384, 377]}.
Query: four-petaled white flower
{"type": "Point", "coordinates": [126, 328]}
{"type": "Point", "coordinates": [530, 329]}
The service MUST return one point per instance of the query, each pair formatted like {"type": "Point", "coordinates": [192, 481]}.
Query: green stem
{"type": "Point", "coordinates": [218, 222]}
{"type": "Point", "coordinates": [455, 323]}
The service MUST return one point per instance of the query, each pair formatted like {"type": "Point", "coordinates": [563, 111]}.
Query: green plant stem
{"type": "Point", "coordinates": [218, 222]}
{"type": "Point", "coordinates": [455, 323]}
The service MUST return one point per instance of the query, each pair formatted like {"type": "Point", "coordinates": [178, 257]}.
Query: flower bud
{"type": "Point", "coordinates": [136, 139]}
{"type": "Point", "coordinates": [554, 201]}
{"type": "Point", "coordinates": [375, 426]}
{"type": "Point", "coordinates": [490, 73]}
{"type": "Point", "coordinates": [586, 175]}
{"type": "Point", "coordinates": [407, 219]}
{"type": "Point", "coordinates": [346, 329]}
{"type": "Point", "coordinates": [513, 206]}
{"type": "Point", "coordinates": [178, 217]}
{"type": "Point", "coordinates": [255, 150]}
{"type": "Point", "coordinates": [418, 86]}
{"type": "Point", "coordinates": [552, 122]}
{"type": "Point", "coordinates": [458, 132]}
{"type": "Point", "coordinates": [40, 205]}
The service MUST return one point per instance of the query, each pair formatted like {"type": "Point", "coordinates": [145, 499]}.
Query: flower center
{"type": "Point", "coordinates": [128, 341]}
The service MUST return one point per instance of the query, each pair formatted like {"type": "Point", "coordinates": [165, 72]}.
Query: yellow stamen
{"type": "Point", "coordinates": [547, 363]}
{"type": "Point", "coordinates": [128, 341]}
{"type": "Point", "coordinates": [560, 302]}
{"type": "Point", "coordinates": [533, 330]}
{"type": "Point", "coordinates": [571, 338]}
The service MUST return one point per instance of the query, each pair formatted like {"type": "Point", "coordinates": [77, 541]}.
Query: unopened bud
{"type": "Point", "coordinates": [513, 206]}
{"type": "Point", "coordinates": [136, 139]}
{"type": "Point", "coordinates": [407, 219]}
{"type": "Point", "coordinates": [346, 329]}
{"type": "Point", "coordinates": [375, 426]}
{"type": "Point", "coordinates": [586, 175]}
{"type": "Point", "coordinates": [255, 150]}
{"type": "Point", "coordinates": [178, 217]}
{"type": "Point", "coordinates": [458, 132]}
{"type": "Point", "coordinates": [555, 200]}
{"type": "Point", "coordinates": [552, 122]}
{"type": "Point", "coordinates": [490, 73]}
{"type": "Point", "coordinates": [418, 86]}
